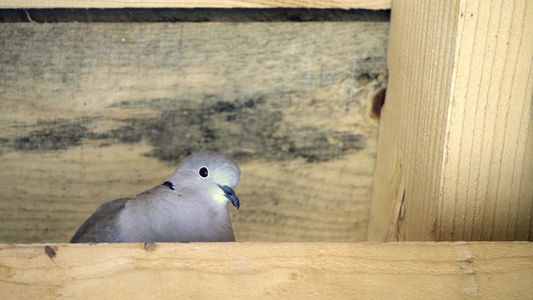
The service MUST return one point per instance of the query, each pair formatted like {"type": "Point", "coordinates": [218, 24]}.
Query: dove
{"type": "Point", "coordinates": [191, 206]}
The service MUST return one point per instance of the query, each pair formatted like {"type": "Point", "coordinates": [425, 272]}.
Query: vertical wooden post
{"type": "Point", "coordinates": [457, 125]}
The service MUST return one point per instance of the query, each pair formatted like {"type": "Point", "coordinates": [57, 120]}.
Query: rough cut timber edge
{"type": "Point", "coordinates": [343, 4]}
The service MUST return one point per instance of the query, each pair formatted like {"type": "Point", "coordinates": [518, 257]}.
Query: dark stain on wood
{"type": "Point", "coordinates": [377, 103]}
{"type": "Point", "coordinates": [254, 125]}
{"type": "Point", "coordinates": [51, 135]}
{"type": "Point", "coordinates": [184, 127]}
{"type": "Point", "coordinates": [50, 252]}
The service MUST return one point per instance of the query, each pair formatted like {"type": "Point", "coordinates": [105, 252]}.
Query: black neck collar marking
{"type": "Point", "coordinates": [170, 185]}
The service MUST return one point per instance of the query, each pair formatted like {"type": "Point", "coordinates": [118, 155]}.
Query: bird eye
{"type": "Point", "coordinates": [203, 172]}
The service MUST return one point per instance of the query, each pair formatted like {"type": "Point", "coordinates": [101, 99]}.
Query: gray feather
{"type": "Point", "coordinates": [102, 225]}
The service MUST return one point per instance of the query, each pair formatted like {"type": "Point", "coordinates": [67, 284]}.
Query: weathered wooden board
{"type": "Point", "coordinates": [118, 15]}
{"type": "Point", "coordinates": [268, 270]}
{"type": "Point", "coordinates": [91, 112]}
{"type": "Point", "coordinates": [457, 125]}
{"type": "Point", "coordinates": [344, 4]}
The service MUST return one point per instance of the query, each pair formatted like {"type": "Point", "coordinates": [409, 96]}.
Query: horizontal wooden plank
{"type": "Point", "coordinates": [129, 15]}
{"type": "Point", "coordinates": [92, 112]}
{"type": "Point", "coordinates": [268, 270]}
{"type": "Point", "coordinates": [343, 4]}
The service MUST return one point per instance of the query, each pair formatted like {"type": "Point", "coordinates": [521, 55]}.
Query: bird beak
{"type": "Point", "coordinates": [230, 194]}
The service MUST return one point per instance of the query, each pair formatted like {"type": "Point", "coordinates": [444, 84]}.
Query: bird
{"type": "Point", "coordinates": [190, 206]}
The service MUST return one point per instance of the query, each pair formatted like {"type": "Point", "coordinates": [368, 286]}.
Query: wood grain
{"type": "Point", "coordinates": [92, 112]}
{"type": "Point", "coordinates": [458, 120]}
{"type": "Point", "coordinates": [344, 4]}
{"type": "Point", "coordinates": [278, 270]}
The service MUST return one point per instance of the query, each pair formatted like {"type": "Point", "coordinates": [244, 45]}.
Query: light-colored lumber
{"type": "Point", "coordinates": [342, 4]}
{"type": "Point", "coordinates": [457, 123]}
{"type": "Point", "coordinates": [92, 112]}
{"type": "Point", "coordinates": [264, 270]}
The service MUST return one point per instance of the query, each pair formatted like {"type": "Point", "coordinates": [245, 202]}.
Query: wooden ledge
{"type": "Point", "coordinates": [342, 4]}
{"type": "Point", "coordinates": [272, 270]}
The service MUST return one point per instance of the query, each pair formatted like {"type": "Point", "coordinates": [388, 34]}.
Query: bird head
{"type": "Point", "coordinates": [210, 174]}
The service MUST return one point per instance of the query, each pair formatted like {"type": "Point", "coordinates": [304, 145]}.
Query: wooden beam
{"type": "Point", "coordinates": [457, 124]}
{"type": "Point", "coordinates": [340, 4]}
{"type": "Point", "coordinates": [250, 270]}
